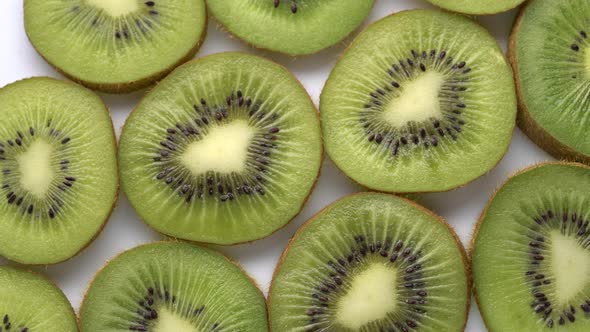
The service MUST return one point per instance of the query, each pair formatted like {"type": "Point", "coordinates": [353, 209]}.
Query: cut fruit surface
{"type": "Point", "coordinates": [371, 262]}
{"type": "Point", "coordinates": [422, 101]}
{"type": "Point", "coordinates": [552, 76]}
{"type": "Point", "coordinates": [30, 303]}
{"type": "Point", "coordinates": [531, 259]}
{"type": "Point", "coordinates": [477, 7]}
{"type": "Point", "coordinates": [116, 45]}
{"type": "Point", "coordinates": [224, 150]}
{"type": "Point", "coordinates": [172, 287]}
{"type": "Point", "coordinates": [294, 27]}
{"type": "Point", "coordinates": [58, 169]}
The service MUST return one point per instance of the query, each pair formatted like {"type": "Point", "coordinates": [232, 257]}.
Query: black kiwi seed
{"type": "Point", "coordinates": [294, 8]}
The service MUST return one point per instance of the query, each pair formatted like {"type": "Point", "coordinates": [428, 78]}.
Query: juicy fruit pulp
{"type": "Point", "coordinates": [530, 254]}
{"type": "Point", "coordinates": [116, 45]}
{"type": "Point", "coordinates": [553, 76]}
{"type": "Point", "coordinates": [422, 101]}
{"type": "Point", "coordinates": [58, 169]}
{"type": "Point", "coordinates": [224, 150]}
{"type": "Point", "coordinates": [30, 303]}
{"type": "Point", "coordinates": [176, 287]}
{"type": "Point", "coordinates": [477, 7]}
{"type": "Point", "coordinates": [295, 27]}
{"type": "Point", "coordinates": [371, 262]}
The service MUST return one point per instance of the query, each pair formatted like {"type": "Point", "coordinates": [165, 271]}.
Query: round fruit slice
{"type": "Point", "coordinates": [58, 170]}
{"type": "Point", "coordinates": [30, 303]}
{"type": "Point", "coordinates": [553, 76]}
{"type": "Point", "coordinates": [530, 252]}
{"type": "Point", "coordinates": [477, 7]}
{"type": "Point", "coordinates": [167, 287]}
{"type": "Point", "coordinates": [422, 101]}
{"type": "Point", "coordinates": [294, 27]}
{"type": "Point", "coordinates": [116, 45]}
{"type": "Point", "coordinates": [224, 150]}
{"type": "Point", "coordinates": [371, 262]}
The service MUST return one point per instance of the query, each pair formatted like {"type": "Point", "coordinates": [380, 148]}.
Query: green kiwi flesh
{"type": "Point", "coordinates": [422, 101]}
{"type": "Point", "coordinates": [58, 169]}
{"type": "Point", "coordinates": [371, 262]}
{"type": "Point", "coordinates": [172, 287]}
{"type": "Point", "coordinates": [224, 150]}
{"type": "Point", "coordinates": [553, 76]}
{"type": "Point", "coordinates": [530, 253]}
{"type": "Point", "coordinates": [30, 303]}
{"type": "Point", "coordinates": [477, 7]}
{"type": "Point", "coordinates": [116, 45]}
{"type": "Point", "coordinates": [294, 27]}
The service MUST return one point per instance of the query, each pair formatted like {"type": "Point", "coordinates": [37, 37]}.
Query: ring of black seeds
{"type": "Point", "coordinates": [414, 134]}
{"type": "Point", "coordinates": [52, 204]}
{"type": "Point", "coordinates": [294, 7]}
{"type": "Point", "coordinates": [8, 325]}
{"type": "Point", "coordinates": [226, 187]}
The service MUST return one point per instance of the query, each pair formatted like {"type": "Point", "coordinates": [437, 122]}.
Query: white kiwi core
{"type": "Point", "coordinates": [116, 8]}
{"type": "Point", "coordinates": [223, 150]}
{"type": "Point", "coordinates": [418, 101]}
{"type": "Point", "coordinates": [372, 295]}
{"type": "Point", "coordinates": [570, 264]}
{"type": "Point", "coordinates": [170, 322]}
{"type": "Point", "coordinates": [36, 173]}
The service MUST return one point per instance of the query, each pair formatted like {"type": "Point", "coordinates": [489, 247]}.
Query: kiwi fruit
{"type": "Point", "coordinates": [293, 27]}
{"type": "Point", "coordinates": [169, 287]}
{"type": "Point", "coordinates": [58, 169]}
{"type": "Point", "coordinates": [372, 262]}
{"type": "Point", "coordinates": [477, 7]}
{"type": "Point", "coordinates": [31, 303]}
{"type": "Point", "coordinates": [530, 251]}
{"type": "Point", "coordinates": [224, 150]}
{"type": "Point", "coordinates": [422, 101]}
{"type": "Point", "coordinates": [550, 53]}
{"type": "Point", "coordinates": [116, 46]}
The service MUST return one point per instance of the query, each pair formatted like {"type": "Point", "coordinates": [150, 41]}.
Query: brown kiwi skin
{"type": "Point", "coordinates": [525, 121]}
{"type": "Point", "coordinates": [336, 44]}
{"type": "Point", "coordinates": [54, 284]}
{"type": "Point", "coordinates": [362, 185]}
{"type": "Point", "coordinates": [464, 256]}
{"type": "Point", "coordinates": [127, 87]}
{"type": "Point", "coordinates": [485, 210]}
{"type": "Point", "coordinates": [311, 190]}
{"type": "Point", "coordinates": [171, 241]}
{"type": "Point", "coordinates": [116, 198]}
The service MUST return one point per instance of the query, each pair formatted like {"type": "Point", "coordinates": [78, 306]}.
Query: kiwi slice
{"type": "Point", "coordinates": [31, 303]}
{"type": "Point", "coordinates": [371, 263]}
{"type": "Point", "coordinates": [550, 53]}
{"type": "Point", "coordinates": [294, 27]}
{"type": "Point", "coordinates": [165, 287]}
{"type": "Point", "coordinates": [422, 101]}
{"type": "Point", "coordinates": [224, 150]}
{"type": "Point", "coordinates": [477, 7]}
{"type": "Point", "coordinates": [58, 169]}
{"type": "Point", "coordinates": [530, 252]}
{"type": "Point", "coordinates": [116, 45]}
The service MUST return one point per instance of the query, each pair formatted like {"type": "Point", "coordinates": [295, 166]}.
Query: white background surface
{"type": "Point", "coordinates": [460, 207]}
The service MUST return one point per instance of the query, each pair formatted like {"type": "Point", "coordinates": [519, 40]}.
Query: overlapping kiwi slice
{"type": "Point", "coordinates": [165, 287]}
{"type": "Point", "coordinates": [371, 263]}
{"type": "Point", "coordinates": [422, 101]}
{"type": "Point", "coordinates": [294, 27]}
{"type": "Point", "coordinates": [31, 303]}
{"type": "Point", "coordinates": [531, 257]}
{"type": "Point", "coordinates": [550, 52]}
{"type": "Point", "coordinates": [477, 7]}
{"type": "Point", "coordinates": [58, 169]}
{"type": "Point", "coordinates": [116, 45]}
{"type": "Point", "coordinates": [225, 150]}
